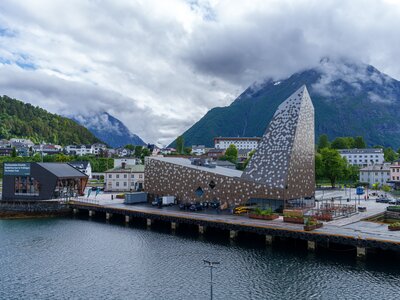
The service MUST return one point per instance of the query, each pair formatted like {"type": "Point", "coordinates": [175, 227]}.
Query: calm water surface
{"type": "Point", "coordinates": [81, 259]}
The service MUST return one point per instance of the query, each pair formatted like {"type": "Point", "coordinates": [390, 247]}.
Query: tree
{"type": "Point", "coordinates": [323, 142]}
{"type": "Point", "coordinates": [333, 165]}
{"type": "Point", "coordinates": [386, 188]}
{"type": "Point", "coordinates": [187, 150]}
{"type": "Point", "coordinates": [319, 166]}
{"type": "Point", "coordinates": [231, 154]}
{"type": "Point", "coordinates": [138, 151]}
{"type": "Point", "coordinates": [14, 152]}
{"type": "Point", "coordinates": [390, 155]}
{"type": "Point", "coordinates": [180, 144]}
{"type": "Point", "coordinates": [359, 142]}
{"type": "Point", "coordinates": [130, 147]}
{"type": "Point", "coordinates": [343, 143]}
{"type": "Point", "coordinates": [145, 152]}
{"type": "Point", "coordinates": [249, 156]}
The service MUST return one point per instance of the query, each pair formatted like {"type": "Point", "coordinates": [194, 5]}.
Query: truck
{"type": "Point", "coordinates": [134, 198]}
{"type": "Point", "coordinates": [168, 200]}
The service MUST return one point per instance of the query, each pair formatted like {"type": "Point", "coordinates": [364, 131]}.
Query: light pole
{"type": "Point", "coordinates": [211, 265]}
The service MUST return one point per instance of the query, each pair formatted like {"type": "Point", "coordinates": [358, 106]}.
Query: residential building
{"type": "Point", "coordinates": [99, 148]}
{"type": "Point", "coordinates": [215, 153]}
{"type": "Point", "coordinates": [118, 162]}
{"type": "Point", "coordinates": [47, 149]}
{"type": "Point", "coordinates": [249, 143]}
{"type": "Point", "coordinates": [124, 178]}
{"type": "Point", "coordinates": [377, 173]}
{"type": "Point", "coordinates": [123, 152]}
{"type": "Point", "coordinates": [4, 143]}
{"type": "Point", "coordinates": [363, 157]}
{"type": "Point", "coordinates": [167, 151]}
{"type": "Point", "coordinates": [225, 164]}
{"type": "Point", "coordinates": [79, 149]}
{"type": "Point", "coordinates": [280, 174]}
{"type": "Point", "coordinates": [83, 166]}
{"type": "Point", "coordinates": [198, 149]}
{"type": "Point", "coordinates": [6, 151]}
{"type": "Point", "coordinates": [395, 174]}
{"type": "Point", "coordinates": [15, 142]}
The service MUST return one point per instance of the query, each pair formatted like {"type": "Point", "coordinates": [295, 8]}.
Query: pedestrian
{"type": "Point", "coordinates": [112, 197]}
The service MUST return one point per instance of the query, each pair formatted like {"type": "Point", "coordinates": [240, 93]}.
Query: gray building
{"type": "Point", "coordinates": [377, 173]}
{"type": "Point", "coordinates": [363, 157]}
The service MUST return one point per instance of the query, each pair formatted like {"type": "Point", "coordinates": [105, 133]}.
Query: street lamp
{"type": "Point", "coordinates": [211, 265]}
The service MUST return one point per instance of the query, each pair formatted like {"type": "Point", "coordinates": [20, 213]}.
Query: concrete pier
{"type": "Point", "coordinates": [91, 213]}
{"type": "Point", "coordinates": [127, 219]}
{"type": "Point", "coordinates": [232, 234]}
{"type": "Point", "coordinates": [201, 229]}
{"type": "Point", "coordinates": [269, 239]}
{"type": "Point", "coordinates": [108, 216]}
{"type": "Point", "coordinates": [148, 222]}
{"type": "Point", "coordinates": [361, 253]}
{"type": "Point", "coordinates": [311, 245]}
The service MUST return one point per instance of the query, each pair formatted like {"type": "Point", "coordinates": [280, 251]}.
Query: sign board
{"type": "Point", "coordinates": [17, 169]}
{"type": "Point", "coordinates": [360, 190]}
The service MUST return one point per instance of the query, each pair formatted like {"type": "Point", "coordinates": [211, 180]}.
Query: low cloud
{"type": "Point", "coordinates": [159, 66]}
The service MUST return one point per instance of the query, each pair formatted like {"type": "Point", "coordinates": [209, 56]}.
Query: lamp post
{"type": "Point", "coordinates": [211, 265]}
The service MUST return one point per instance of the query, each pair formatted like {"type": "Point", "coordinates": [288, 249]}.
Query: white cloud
{"type": "Point", "coordinates": [160, 65]}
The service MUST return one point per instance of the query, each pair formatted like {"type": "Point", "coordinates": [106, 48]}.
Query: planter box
{"type": "Point", "coordinates": [264, 217]}
{"type": "Point", "coordinates": [293, 220]}
{"type": "Point", "coordinates": [310, 227]}
{"type": "Point", "coordinates": [397, 228]}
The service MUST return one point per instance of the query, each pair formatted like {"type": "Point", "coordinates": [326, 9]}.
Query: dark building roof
{"type": "Point", "coordinates": [62, 170]}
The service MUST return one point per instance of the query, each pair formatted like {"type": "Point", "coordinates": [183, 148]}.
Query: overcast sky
{"type": "Point", "coordinates": [159, 66]}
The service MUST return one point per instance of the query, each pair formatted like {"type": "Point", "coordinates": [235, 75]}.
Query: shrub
{"type": "Point", "coordinates": [393, 225]}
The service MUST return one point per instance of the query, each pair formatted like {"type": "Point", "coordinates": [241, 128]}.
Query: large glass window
{"type": "Point", "coordinates": [26, 185]}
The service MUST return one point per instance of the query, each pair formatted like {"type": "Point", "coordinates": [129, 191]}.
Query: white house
{"type": "Point", "coordinates": [377, 173]}
{"type": "Point", "coordinates": [79, 149]}
{"type": "Point", "coordinates": [83, 166]}
{"type": "Point", "coordinates": [363, 157]}
{"type": "Point", "coordinates": [198, 149]}
{"type": "Point", "coordinates": [248, 143]}
{"type": "Point", "coordinates": [125, 178]}
{"type": "Point", "coordinates": [98, 148]}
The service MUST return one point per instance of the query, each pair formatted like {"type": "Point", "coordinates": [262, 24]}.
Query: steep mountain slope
{"type": "Point", "coordinates": [109, 129]}
{"type": "Point", "coordinates": [349, 99]}
{"type": "Point", "coordinates": [19, 119]}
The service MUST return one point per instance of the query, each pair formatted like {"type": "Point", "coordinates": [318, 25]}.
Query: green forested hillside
{"type": "Point", "coordinates": [19, 119]}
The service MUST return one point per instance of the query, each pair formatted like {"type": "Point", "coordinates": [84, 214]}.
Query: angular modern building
{"type": "Point", "coordinates": [280, 174]}
{"type": "Point", "coordinates": [41, 181]}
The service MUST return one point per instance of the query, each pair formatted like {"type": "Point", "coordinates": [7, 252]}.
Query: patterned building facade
{"type": "Point", "coordinates": [284, 159]}
{"type": "Point", "coordinates": [281, 169]}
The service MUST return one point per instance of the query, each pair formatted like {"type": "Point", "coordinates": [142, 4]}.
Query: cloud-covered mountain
{"type": "Point", "coordinates": [350, 99]}
{"type": "Point", "coordinates": [109, 129]}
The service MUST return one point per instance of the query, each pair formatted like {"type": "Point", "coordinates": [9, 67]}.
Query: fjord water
{"type": "Point", "coordinates": [64, 258]}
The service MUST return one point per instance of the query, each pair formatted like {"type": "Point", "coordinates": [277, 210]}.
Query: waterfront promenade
{"type": "Point", "coordinates": [352, 231]}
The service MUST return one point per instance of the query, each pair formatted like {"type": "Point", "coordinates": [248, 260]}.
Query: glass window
{"type": "Point", "coordinates": [26, 185]}
{"type": "Point", "coordinates": [125, 176]}
{"type": "Point", "coordinates": [117, 183]}
{"type": "Point", "coordinates": [125, 183]}
{"type": "Point", "coordinates": [109, 176]}
{"type": "Point", "coordinates": [117, 176]}
{"type": "Point", "coordinates": [140, 176]}
{"type": "Point", "coordinates": [133, 176]}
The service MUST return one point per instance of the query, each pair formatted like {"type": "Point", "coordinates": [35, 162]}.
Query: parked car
{"type": "Point", "coordinates": [195, 207]}
{"type": "Point", "coordinates": [393, 202]}
{"type": "Point", "coordinates": [157, 202]}
{"type": "Point", "coordinates": [214, 204]}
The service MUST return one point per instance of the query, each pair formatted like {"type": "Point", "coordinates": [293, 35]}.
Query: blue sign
{"type": "Point", "coordinates": [360, 190]}
{"type": "Point", "coordinates": [17, 169]}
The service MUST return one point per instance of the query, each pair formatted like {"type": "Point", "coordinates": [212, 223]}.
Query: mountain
{"type": "Point", "coordinates": [19, 119]}
{"type": "Point", "coordinates": [350, 99]}
{"type": "Point", "coordinates": [109, 129]}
